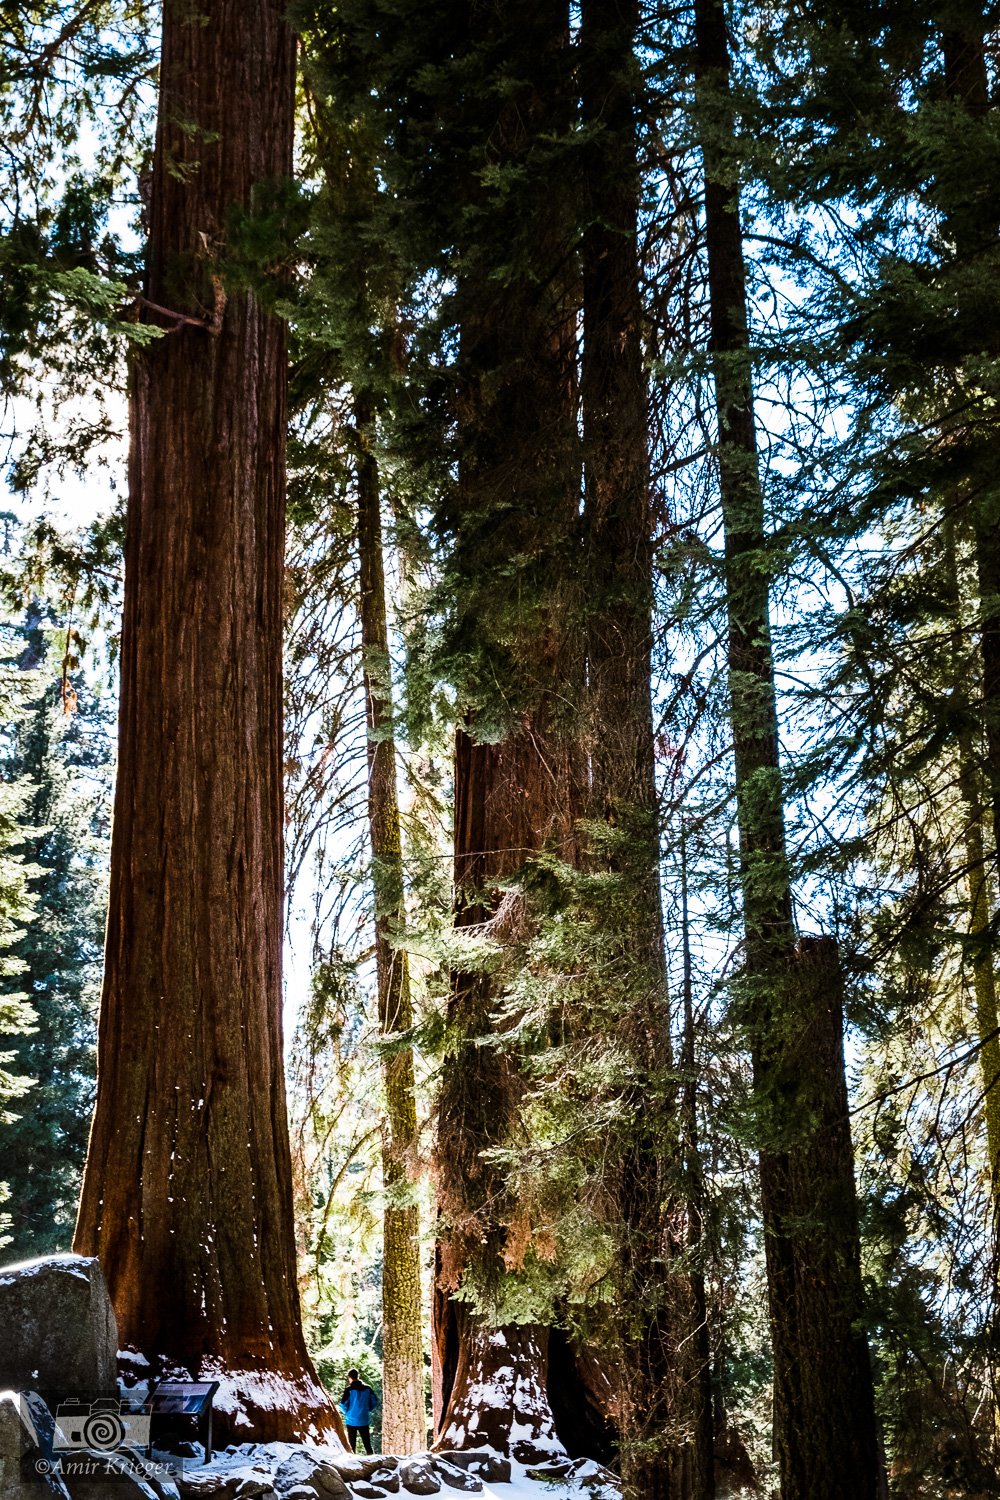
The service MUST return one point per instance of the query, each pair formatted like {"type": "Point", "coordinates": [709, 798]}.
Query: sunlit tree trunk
{"type": "Point", "coordinates": [825, 1435]}
{"type": "Point", "coordinates": [515, 785]}
{"type": "Point", "coordinates": [665, 1408]}
{"type": "Point", "coordinates": [404, 1423]}
{"type": "Point", "coordinates": [976, 839]}
{"type": "Point", "coordinates": [974, 230]}
{"type": "Point", "coordinates": [187, 1197]}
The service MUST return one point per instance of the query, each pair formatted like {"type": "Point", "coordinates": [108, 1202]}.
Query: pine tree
{"type": "Point", "coordinates": [17, 1016]}
{"type": "Point", "coordinates": [347, 337]}
{"type": "Point", "coordinates": [60, 753]}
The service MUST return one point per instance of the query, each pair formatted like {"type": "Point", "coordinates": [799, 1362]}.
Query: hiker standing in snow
{"type": "Point", "coordinates": [357, 1403]}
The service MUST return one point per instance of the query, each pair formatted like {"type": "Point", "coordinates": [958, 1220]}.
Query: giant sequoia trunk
{"type": "Point", "coordinates": [187, 1197]}
{"type": "Point", "coordinates": [515, 755]}
{"type": "Point", "coordinates": [665, 1404]}
{"type": "Point", "coordinates": [404, 1424]}
{"type": "Point", "coordinates": [510, 799]}
{"type": "Point", "coordinates": [825, 1435]}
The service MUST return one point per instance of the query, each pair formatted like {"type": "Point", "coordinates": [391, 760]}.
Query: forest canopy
{"type": "Point", "coordinates": [519, 483]}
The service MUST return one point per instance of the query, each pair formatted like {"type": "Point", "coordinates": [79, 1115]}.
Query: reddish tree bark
{"type": "Point", "coordinates": [825, 1431]}
{"type": "Point", "coordinates": [514, 522]}
{"type": "Point", "coordinates": [187, 1196]}
{"type": "Point", "coordinates": [665, 1398]}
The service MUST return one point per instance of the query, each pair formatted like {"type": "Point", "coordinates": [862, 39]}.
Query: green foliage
{"type": "Point", "coordinates": [16, 1013]}
{"type": "Point", "coordinates": [58, 753]}
{"type": "Point", "coordinates": [75, 116]}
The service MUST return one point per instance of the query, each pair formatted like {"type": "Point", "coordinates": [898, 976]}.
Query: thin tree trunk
{"type": "Point", "coordinates": [967, 86]}
{"type": "Point", "coordinates": [825, 1434]}
{"type": "Point", "coordinates": [976, 840]}
{"type": "Point", "coordinates": [404, 1423]}
{"type": "Point", "coordinates": [974, 232]}
{"type": "Point", "coordinates": [702, 1457]}
{"type": "Point", "coordinates": [666, 1408]}
{"type": "Point", "coordinates": [983, 971]}
{"type": "Point", "coordinates": [187, 1197]}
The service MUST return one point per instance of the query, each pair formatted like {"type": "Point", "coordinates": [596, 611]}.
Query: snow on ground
{"type": "Point", "coordinates": [522, 1488]}
{"type": "Point", "coordinates": [290, 1471]}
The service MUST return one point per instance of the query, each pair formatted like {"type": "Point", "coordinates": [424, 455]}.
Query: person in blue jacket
{"type": "Point", "coordinates": [357, 1403]}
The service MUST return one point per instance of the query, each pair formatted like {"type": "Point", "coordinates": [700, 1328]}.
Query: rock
{"type": "Point", "coordinates": [226, 1481]}
{"type": "Point", "coordinates": [417, 1475]}
{"type": "Point", "coordinates": [526, 1451]}
{"type": "Point", "coordinates": [387, 1479]}
{"type": "Point", "coordinates": [60, 1335]}
{"type": "Point", "coordinates": [457, 1478]}
{"type": "Point", "coordinates": [492, 1467]}
{"type": "Point", "coordinates": [352, 1466]}
{"type": "Point", "coordinates": [155, 1473]}
{"type": "Point", "coordinates": [207, 1483]}
{"type": "Point", "coordinates": [368, 1491]}
{"type": "Point", "coordinates": [552, 1471]}
{"type": "Point", "coordinates": [252, 1485]}
{"type": "Point", "coordinates": [26, 1469]}
{"type": "Point", "coordinates": [94, 1474]}
{"type": "Point", "coordinates": [304, 1468]}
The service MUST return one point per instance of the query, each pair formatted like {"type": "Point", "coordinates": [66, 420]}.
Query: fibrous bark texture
{"type": "Point", "coordinates": [514, 516]}
{"type": "Point", "coordinates": [187, 1197]}
{"type": "Point", "coordinates": [664, 1405]}
{"type": "Point", "coordinates": [825, 1434]}
{"type": "Point", "coordinates": [499, 1393]}
{"type": "Point", "coordinates": [404, 1422]}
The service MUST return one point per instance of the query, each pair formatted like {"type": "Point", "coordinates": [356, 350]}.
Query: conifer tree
{"type": "Point", "coordinates": [187, 1194]}
{"type": "Point", "coordinates": [17, 1016]}
{"type": "Point", "coordinates": [824, 1418]}
{"type": "Point", "coordinates": [347, 337]}
{"type": "Point", "coordinates": [404, 1424]}
{"type": "Point", "coordinates": [60, 754]}
{"type": "Point", "coordinates": [666, 1400]}
{"type": "Point", "coordinates": [978, 878]}
{"type": "Point", "coordinates": [509, 527]}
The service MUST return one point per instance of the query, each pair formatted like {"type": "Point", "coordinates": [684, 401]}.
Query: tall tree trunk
{"type": "Point", "coordinates": [499, 1391]}
{"type": "Point", "coordinates": [703, 1446]}
{"type": "Point", "coordinates": [515, 785]}
{"type": "Point", "coordinates": [976, 839]}
{"type": "Point", "coordinates": [187, 1197]}
{"type": "Point", "coordinates": [666, 1407]}
{"type": "Point", "coordinates": [983, 970]}
{"type": "Point", "coordinates": [967, 87]}
{"type": "Point", "coordinates": [825, 1434]}
{"type": "Point", "coordinates": [510, 800]}
{"type": "Point", "coordinates": [404, 1423]}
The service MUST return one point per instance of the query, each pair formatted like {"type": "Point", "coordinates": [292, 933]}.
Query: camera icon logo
{"type": "Point", "coordinates": [103, 1425]}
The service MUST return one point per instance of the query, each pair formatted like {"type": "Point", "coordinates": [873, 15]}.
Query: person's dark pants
{"type": "Point", "coordinates": [364, 1433]}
